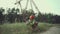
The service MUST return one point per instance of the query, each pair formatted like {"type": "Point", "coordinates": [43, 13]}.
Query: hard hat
{"type": "Point", "coordinates": [32, 17]}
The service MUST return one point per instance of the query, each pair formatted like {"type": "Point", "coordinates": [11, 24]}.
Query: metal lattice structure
{"type": "Point", "coordinates": [31, 3]}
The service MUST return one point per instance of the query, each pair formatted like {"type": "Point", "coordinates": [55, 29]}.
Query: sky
{"type": "Point", "coordinates": [45, 6]}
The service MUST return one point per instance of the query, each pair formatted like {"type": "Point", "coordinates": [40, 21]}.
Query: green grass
{"type": "Point", "coordinates": [44, 26]}
{"type": "Point", "coordinates": [21, 28]}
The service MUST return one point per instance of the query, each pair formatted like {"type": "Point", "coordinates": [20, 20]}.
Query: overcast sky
{"type": "Point", "coordinates": [45, 6]}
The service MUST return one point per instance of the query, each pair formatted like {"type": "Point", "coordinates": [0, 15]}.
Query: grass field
{"type": "Point", "coordinates": [21, 28]}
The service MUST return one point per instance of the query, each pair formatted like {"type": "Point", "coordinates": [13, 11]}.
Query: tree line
{"type": "Point", "coordinates": [13, 15]}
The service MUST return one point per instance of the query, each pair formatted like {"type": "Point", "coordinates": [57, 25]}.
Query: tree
{"type": "Point", "coordinates": [11, 15]}
{"type": "Point", "coordinates": [1, 15]}
{"type": "Point", "coordinates": [39, 17]}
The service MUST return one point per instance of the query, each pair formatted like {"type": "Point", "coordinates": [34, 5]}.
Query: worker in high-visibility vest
{"type": "Point", "coordinates": [31, 20]}
{"type": "Point", "coordinates": [32, 23]}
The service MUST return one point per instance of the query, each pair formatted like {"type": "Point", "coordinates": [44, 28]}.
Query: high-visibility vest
{"type": "Point", "coordinates": [31, 22]}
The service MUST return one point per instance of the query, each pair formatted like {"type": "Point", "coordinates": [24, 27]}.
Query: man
{"type": "Point", "coordinates": [32, 23]}
{"type": "Point", "coordinates": [31, 20]}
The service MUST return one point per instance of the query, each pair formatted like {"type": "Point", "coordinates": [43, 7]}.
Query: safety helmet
{"type": "Point", "coordinates": [31, 17]}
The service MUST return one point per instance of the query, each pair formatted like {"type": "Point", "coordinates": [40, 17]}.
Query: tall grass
{"type": "Point", "coordinates": [21, 28]}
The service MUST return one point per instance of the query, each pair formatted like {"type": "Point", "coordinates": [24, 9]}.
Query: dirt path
{"type": "Point", "coordinates": [53, 30]}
